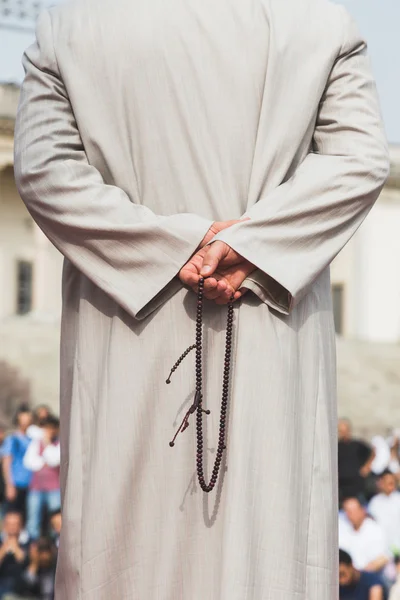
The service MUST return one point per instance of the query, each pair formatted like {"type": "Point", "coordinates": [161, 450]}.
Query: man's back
{"type": "Point", "coordinates": [135, 110]}
{"type": "Point", "coordinates": [187, 84]}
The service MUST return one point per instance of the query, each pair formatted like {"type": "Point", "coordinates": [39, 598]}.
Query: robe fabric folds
{"type": "Point", "coordinates": [140, 123]}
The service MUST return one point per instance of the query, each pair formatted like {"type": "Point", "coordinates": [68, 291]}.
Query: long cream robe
{"type": "Point", "coordinates": [141, 122]}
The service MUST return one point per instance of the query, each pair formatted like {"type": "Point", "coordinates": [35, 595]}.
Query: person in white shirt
{"type": "Point", "coordinates": [386, 454]}
{"type": "Point", "coordinates": [362, 538]}
{"type": "Point", "coordinates": [385, 509]}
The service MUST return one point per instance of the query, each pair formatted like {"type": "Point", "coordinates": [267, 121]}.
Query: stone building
{"type": "Point", "coordinates": [29, 264]}
{"type": "Point", "coordinates": [29, 277]}
{"type": "Point", "coordinates": [366, 276]}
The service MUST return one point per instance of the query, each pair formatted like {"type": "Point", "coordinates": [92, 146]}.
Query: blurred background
{"type": "Point", "coordinates": [365, 276]}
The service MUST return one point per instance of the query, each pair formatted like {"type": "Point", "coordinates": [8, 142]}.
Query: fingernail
{"type": "Point", "coordinates": [206, 269]}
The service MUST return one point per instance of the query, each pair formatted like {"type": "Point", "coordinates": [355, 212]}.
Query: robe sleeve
{"type": "Point", "coordinates": [128, 251]}
{"type": "Point", "coordinates": [298, 228]}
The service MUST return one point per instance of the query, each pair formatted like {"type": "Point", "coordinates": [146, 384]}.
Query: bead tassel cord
{"type": "Point", "coordinates": [197, 404]}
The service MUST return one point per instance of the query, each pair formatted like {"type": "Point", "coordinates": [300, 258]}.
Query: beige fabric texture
{"type": "Point", "coordinates": [141, 122]}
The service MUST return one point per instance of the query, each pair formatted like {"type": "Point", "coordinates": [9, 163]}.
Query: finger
{"type": "Point", "coordinates": [188, 272]}
{"type": "Point", "coordinates": [212, 295]}
{"type": "Point", "coordinates": [189, 279]}
{"type": "Point", "coordinates": [236, 277]}
{"type": "Point", "coordinates": [225, 295]}
{"type": "Point", "coordinates": [222, 290]}
{"type": "Point", "coordinates": [210, 284]}
{"type": "Point", "coordinates": [222, 286]}
{"type": "Point", "coordinates": [210, 289]}
{"type": "Point", "coordinates": [215, 253]}
{"type": "Point", "coordinates": [229, 292]}
{"type": "Point", "coordinates": [229, 296]}
{"type": "Point", "coordinates": [215, 292]}
{"type": "Point", "coordinates": [243, 291]}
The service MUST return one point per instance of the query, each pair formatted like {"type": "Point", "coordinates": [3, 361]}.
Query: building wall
{"type": "Point", "coordinates": [16, 240]}
{"type": "Point", "coordinates": [368, 270]}
{"type": "Point", "coordinates": [377, 298]}
{"type": "Point", "coordinates": [21, 240]}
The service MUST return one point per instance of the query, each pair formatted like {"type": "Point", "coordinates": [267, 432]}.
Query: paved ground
{"type": "Point", "coordinates": [33, 347]}
{"type": "Point", "coordinates": [368, 374]}
{"type": "Point", "coordinates": [369, 385]}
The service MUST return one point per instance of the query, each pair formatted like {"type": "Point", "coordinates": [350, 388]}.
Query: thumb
{"type": "Point", "coordinates": [215, 253]}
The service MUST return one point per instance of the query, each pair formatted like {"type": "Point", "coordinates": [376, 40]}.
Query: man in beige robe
{"type": "Point", "coordinates": [141, 123]}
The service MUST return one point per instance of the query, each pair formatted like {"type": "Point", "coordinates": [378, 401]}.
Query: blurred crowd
{"type": "Point", "coordinates": [30, 517]}
{"type": "Point", "coordinates": [369, 516]}
{"type": "Point", "coordinates": [30, 507]}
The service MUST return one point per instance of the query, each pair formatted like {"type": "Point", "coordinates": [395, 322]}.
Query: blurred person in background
{"type": "Point", "coordinates": [14, 549]}
{"type": "Point", "coordinates": [17, 476]}
{"type": "Point", "coordinates": [386, 454]}
{"type": "Point", "coordinates": [395, 590]}
{"type": "Point", "coordinates": [3, 430]}
{"type": "Point", "coordinates": [355, 458]}
{"type": "Point", "coordinates": [56, 524]}
{"type": "Point", "coordinates": [385, 509]}
{"type": "Point", "coordinates": [40, 414]}
{"type": "Point", "coordinates": [38, 578]}
{"type": "Point", "coordinates": [362, 538]}
{"type": "Point", "coordinates": [381, 448]}
{"type": "Point", "coordinates": [355, 584]}
{"type": "Point", "coordinates": [43, 459]}
{"type": "Point", "coordinates": [380, 464]}
{"type": "Point", "coordinates": [394, 444]}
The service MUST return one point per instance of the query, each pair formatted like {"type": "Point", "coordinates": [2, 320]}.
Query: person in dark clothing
{"type": "Point", "coordinates": [14, 548]}
{"type": "Point", "coordinates": [355, 458]}
{"type": "Point", "coordinates": [358, 585]}
{"type": "Point", "coordinates": [38, 579]}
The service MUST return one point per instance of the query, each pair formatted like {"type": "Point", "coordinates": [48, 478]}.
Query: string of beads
{"type": "Point", "coordinates": [198, 399]}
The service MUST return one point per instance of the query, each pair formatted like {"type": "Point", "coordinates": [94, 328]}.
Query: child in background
{"type": "Point", "coordinates": [43, 458]}
{"type": "Point", "coordinates": [17, 475]}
